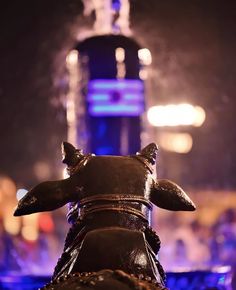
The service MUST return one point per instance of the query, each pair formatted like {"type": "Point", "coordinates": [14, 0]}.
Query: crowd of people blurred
{"type": "Point", "coordinates": [191, 245]}
{"type": "Point", "coordinates": [36, 256]}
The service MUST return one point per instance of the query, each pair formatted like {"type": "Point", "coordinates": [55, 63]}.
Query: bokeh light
{"type": "Point", "coordinates": [176, 115]}
{"type": "Point", "coordinates": [176, 142]}
{"type": "Point", "coordinates": [42, 170]}
{"type": "Point", "coordinates": [120, 54]}
{"type": "Point", "coordinates": [145, 56]}
{"type": "Point", "coordinates": [72, 57]}
{"type": "Point", "coordinates": [30, 228]}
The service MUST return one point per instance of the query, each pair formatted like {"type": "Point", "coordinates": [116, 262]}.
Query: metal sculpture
{"type": "Point", "coordinates": [110, 244]}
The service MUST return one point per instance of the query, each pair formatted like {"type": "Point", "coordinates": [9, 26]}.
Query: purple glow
{"type": "Point", "coordinates": [115, 84]}
{"type": "Point", "coordinates": [98, 97]}
{"type": "Point", "coordinates": [115, 97]}
{"type": "Point", "coordinates": [133, 97]}
{"type": "Point", "coordinates": [116, 110]}
{"type": "Point", "coordinates": [108, 96]}
{"type": "Point", "coordinates": [116, 5]}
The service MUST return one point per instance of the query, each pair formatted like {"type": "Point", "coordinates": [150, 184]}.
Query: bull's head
{"type": "Point", "coordinates": [91, 174]}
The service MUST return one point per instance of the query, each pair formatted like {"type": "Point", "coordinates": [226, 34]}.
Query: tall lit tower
{"type": "Point", "coordinates": [106, 90]}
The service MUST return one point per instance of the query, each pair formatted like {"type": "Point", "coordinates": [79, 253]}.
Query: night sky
{"type": "Point", "coordinates": [194, 51]}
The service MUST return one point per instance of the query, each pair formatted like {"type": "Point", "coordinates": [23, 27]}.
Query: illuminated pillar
{"type": "Point", "coordinates": [112, 93]}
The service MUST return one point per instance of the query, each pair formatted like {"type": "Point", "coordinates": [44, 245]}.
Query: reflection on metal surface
{"type": "Point", "coordinates": [176, 142]}
{"type": "Point", "coordinates": [65, 173]}
{"type": "Point", "coordinates": [21, 193]}
{"type": "Point", "coordinates": [176, 115]}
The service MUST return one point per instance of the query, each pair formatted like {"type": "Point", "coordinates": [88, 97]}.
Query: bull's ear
{"type": "Point", "coordinates": [168, 195]}
{"type": "Point", "coordinates": [71, 155]}
{"type": "Point", "coordinates": [149, 153]}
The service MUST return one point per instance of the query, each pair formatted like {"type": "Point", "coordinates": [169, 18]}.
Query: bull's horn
{"type": "Point", "coordinates": [168, 195]}
{"type": "Point", "coordinates": [48, 196]}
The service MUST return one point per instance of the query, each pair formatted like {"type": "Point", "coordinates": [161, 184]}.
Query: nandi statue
{"type": "Point", "coordinates": [110, 244]}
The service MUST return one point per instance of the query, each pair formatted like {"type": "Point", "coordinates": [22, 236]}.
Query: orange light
{"type": "Point", "coordinates": [120, 54]}
{"type": "Point", "coordinates": [30, 227]}
{"type": "Point", "coordinates": [46, 223]}
{"type": "Point", "coordinates": [11, 224]}
{"type": "Point", "coordinates": [29, 233]}
{"type": "Point", "coordinates": [176, 142]}
{"type": "Point", "coordinates": [42, 170]}
{"type": "Point", "coordinates": [176, 115]}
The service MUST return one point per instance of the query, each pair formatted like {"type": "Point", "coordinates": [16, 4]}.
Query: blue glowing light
{"type": "Point", "coordinates": [133, 97]}
{"type": "Point", "coordinates": [14, 281]}
{"type": "Point", "coordinates": [98, 97]}
{"type": "Point", "coordinates": [114, 84]}
{"type": "Point", "coordinates": [116, 5]}
{"type": "Point", "coordinates": [104, 150]}
{"type": "Point", "coordinates": [115, 97]}
{"type": "Point", "coordinates": [221, 280]}
{"type": "Point", "coordinates": [175, 280]}
{"type": "Point", "coordinates": [108, 97]}
{"type": "Point", "coordinates": [116, 110]}
{"type": "Point", "coordinates": [202, 279]}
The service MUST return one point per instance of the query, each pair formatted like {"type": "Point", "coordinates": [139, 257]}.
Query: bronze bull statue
{"type": "Point", "coordinates": [110, 244]}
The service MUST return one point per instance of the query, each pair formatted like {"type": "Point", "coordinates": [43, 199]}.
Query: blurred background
{"type": "Point", "coordinates": [111, 77]}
